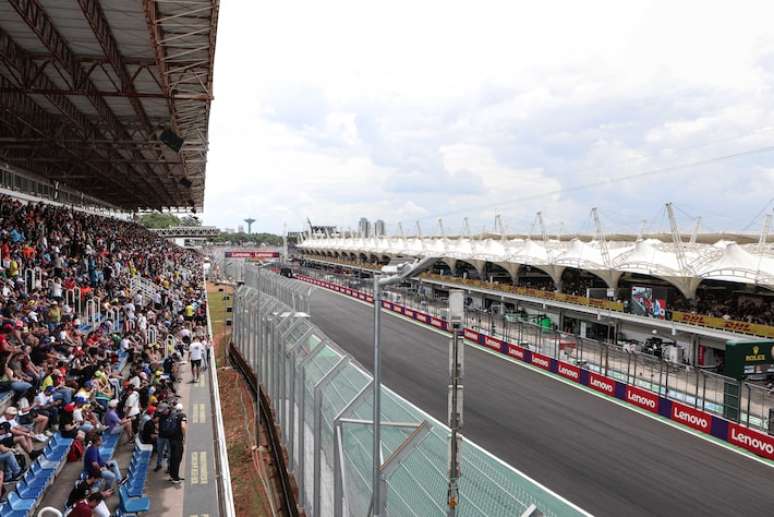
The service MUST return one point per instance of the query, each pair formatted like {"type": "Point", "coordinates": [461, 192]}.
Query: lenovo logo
{"type": "Point", "coordinates": [541, 361]}
{"type": "Point", "coordinates": [602, 385]}
{"type": "Point", "coordinates": [516, 351]}
{"type": "Point", "coordinates": [492, 343]}
{"type": "Point", "coordinates": [469, 334]}
{"type": "Point", "coordinates": [641, 400]}
{"type": "Point", "coordinates": [570, 373]}
{"type": "Point", "coordinates": [690, 417]}
{"type": "Point", "coordinates": [754, 442]}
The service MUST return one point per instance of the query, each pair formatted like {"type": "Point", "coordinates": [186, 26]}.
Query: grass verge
{"type": "Point", "coordinates": [250, 498]}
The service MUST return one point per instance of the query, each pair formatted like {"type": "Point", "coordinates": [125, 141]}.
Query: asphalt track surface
{"type": "Point", "coordinates": [605, 458]}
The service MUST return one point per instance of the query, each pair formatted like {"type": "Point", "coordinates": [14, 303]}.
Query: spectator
{"type": "Point", "coordinates": [94, 465]}
{"type": "Point", "coordinates": [175, 429]}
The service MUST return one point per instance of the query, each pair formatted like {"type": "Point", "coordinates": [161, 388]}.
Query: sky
{"type": "Point", "coordinates": [411, 111]}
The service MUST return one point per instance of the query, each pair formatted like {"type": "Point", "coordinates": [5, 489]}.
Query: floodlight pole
{"type": "Point", "coordinates": [405, 272]}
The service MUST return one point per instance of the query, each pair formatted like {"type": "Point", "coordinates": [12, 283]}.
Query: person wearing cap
{"type": "Point", "coordinates": [21, 435]}
{"type": "Point", "coordinates": [148, 432]}
{"type": "Point", "coordinates": [176, 443]}
{"type": "Point", "coordinates": [68, 428]}
{"type": "Point", "coordinates": [116, 424]}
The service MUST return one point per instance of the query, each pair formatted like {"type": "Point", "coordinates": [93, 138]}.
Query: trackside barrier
{"type": "Point", "coordinates": [754, 441]}
{"type": "Point", "coordinates": [320, 400]}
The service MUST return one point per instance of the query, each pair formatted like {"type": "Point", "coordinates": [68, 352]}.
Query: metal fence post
{"type": "Point", "coordinates": [302, 419]}
{"type": "Point", "coordinates": [318, 423]}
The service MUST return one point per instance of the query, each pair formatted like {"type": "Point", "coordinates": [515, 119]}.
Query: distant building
{"type": "Point", "coordinates": [380, 229]}
{"type": "Point", "coordinates": [364, 227]}
{"type": "Point", "coordinates": [240, 229]}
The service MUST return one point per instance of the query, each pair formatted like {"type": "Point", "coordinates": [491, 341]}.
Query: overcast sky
{"type": "Point", "coordinates": [419, 109]}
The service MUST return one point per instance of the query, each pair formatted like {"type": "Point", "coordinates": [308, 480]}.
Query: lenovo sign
{"type": "Point", "coordinates": [602, 384]}
{"type": "Point", "coordinates": [516, 351]}
{"type": "Point", "coordinates": [569, 371]}
{"type": "Point", "coordinates": [471, 335]}
{"type": "Point", "coordinates": [252, 254]}
{"type": "Point", "coordinates": [541, 361]}
{"type": "Point", "coordinates": [760, 444]}
{"type": "Point", "coordinates": [492, 343]}
{"type": "Point", "coordinates": [691, 417]}
{"type": "Point", "coordinates": [642, 398]}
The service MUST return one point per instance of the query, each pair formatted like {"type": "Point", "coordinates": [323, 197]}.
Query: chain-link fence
{"type": "Point", "coordinates": [323, 403]}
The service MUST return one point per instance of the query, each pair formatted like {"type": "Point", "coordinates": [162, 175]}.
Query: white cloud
{"type": "Point", "coordinates": [408, 110]}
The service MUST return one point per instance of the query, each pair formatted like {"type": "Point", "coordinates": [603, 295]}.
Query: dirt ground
{"type": "Point", "coordinates": [251, 474]}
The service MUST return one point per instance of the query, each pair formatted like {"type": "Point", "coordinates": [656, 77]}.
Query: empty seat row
{"type": "Point", "coordinates": [41, 474]}
{"type": "Point", "coordinates": [132, 500]}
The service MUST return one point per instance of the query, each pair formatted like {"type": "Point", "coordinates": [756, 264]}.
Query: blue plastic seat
{"type": "Point", "coordinates": [17, 503]}
{"type": "Point", "coordinates": [7, 511]}
{"type": "Point", "coordinates": [131, 504]}
{"type": "Point", "coordinates": [30, 490]}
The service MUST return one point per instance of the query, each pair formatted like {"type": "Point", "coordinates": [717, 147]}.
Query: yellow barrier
{"type": "Point", "coordinates": [535, 293]}
{"type": "Point", "coordinates": [722, 324]}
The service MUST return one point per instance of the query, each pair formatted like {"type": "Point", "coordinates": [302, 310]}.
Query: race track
{"type": "Point", "coordinates": [606, 459]}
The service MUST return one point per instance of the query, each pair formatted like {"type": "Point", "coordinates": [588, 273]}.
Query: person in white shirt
{"type": "Point", "coordinates": [21, 435]}
{"type": "Point", "coordinates": [195, 353]}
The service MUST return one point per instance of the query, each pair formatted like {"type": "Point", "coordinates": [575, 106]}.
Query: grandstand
{"type": "Point", "coordinates": [104, 112]}
{"type": "Point", "coordinates": [724, 279]}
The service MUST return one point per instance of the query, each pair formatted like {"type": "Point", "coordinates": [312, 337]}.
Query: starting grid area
{"type": "Point", "coordinates": [733, 433]}
{"type": "Point", "coordinates": [322, 400]}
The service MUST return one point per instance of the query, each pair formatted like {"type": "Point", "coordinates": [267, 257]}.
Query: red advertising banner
{"type": "Point", "coordinates": [397, 308]}
{"type": "Point", "coordinates": [516, 351]}
{"type": "Point", "coordinates": [542, 361]}
{"type": "Point", "coordinates": [492, 343]}
{"type": "Point", "coordinates": [252, 254]}
{"type": "Point", "coordinates": [569, 371]}
{"type": "Point", "coordinates": [369, 299]}
{"type": "Point", "coordinates": [758, 443]}
{"type": "Point", "coordinates": [691, 417]}
{"type": "Point", "coordinates": [471, 335]}
{"type": "Point", "coordinates": [602, 384]}
{"type": "Point", "coordinates": [408, 312]}
{"type": "Point", "coordinates": [436, 323]}
{"type": "Point", "coordinates": [387, 305]}
{"type": "Point", "coordinates": [642, 398]}
{"type": "Point", "coordinates": [424, 318]}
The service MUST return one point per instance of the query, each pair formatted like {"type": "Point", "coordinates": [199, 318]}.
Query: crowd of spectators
{"type": "Point", "coordinates": [729, 306]}
{"type": "Point", "coordinates": [64, 369]}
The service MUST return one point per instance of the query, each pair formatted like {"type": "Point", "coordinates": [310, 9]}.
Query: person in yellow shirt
{"type": "Point", "coordinates": [13, 268]}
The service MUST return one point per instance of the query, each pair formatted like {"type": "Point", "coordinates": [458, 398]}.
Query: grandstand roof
{"type": "Point", "coordinates": [87, 87]}
{"type": "Point", "coordinates": [726, 260]}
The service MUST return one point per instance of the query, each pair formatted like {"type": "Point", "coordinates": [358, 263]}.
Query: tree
{"type": "Point", "coordinates": [157, 220]}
